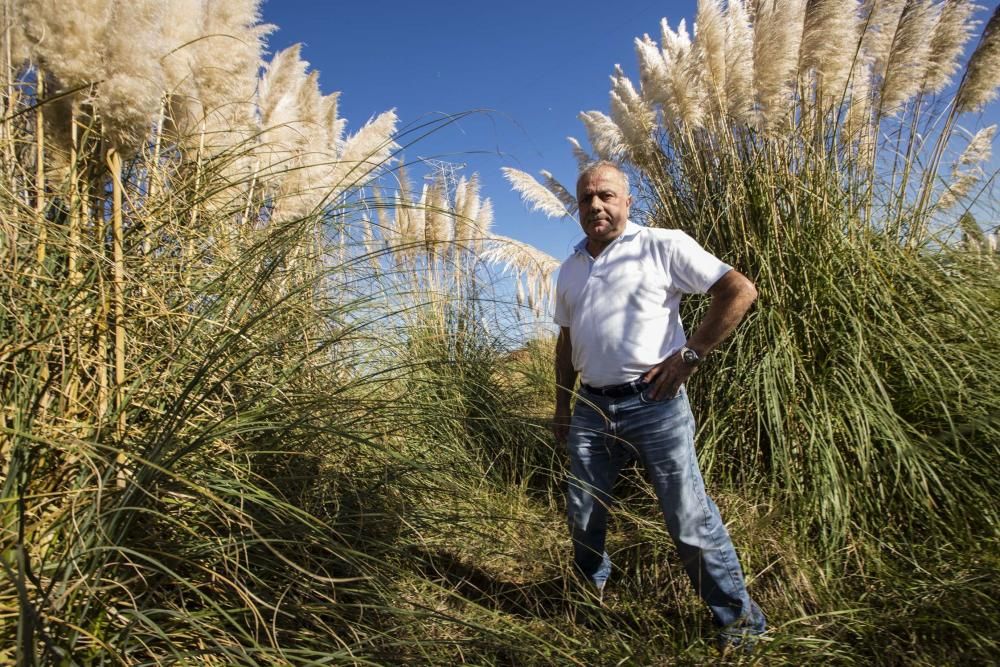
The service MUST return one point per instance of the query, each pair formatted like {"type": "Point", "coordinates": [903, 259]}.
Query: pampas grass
{"type": "Point", "coordinates": [242, 424]}
{"type": "Point", "coordinates": [604, 135]}
{"type": "Point", "coordinates": [829, 47]}
{"type": "Point", "coordinates": [739, 62]}
{"type": "Point", "coordinates": [881, 26]}
{"type": "Point", "coordinates": [982, 76]}
{"type": "Point", "coordinates": [951, 33]}
{"type": "Point", "coordinates": [541, 197]}
{"type": "Point", "coordinates": [842, 379]}
{"type": "Point", "coordinates": [710, 50]}
{"type": "Point", "coordinates": [907, 60]}
{"type": "Point", "coordinates": [630, 113]}
{"type": "Point", "coordinates": [777, 29]}
{"type": "Point", "coordinates": [582, 157]}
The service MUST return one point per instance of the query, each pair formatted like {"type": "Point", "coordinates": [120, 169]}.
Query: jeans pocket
{"type": "Point", "coordinates": [646, 396]}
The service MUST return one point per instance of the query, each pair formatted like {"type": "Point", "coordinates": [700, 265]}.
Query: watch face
{"type": "Point", "coordinates": [689, 356]}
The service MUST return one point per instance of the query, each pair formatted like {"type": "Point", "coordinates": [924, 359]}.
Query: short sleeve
{"type": "Point", "coordinates": [693, 270]}
{"type": "Point", "coordinates": [562, 315]}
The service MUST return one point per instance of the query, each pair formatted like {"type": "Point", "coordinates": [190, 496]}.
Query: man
{"type": "Point", "coordinates": [617, 300]}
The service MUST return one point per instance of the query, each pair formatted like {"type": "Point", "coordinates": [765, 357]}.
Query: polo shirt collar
{"type": "Point", "coordinates": [631, 229]}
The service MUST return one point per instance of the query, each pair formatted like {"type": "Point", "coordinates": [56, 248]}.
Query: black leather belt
{"type": "Point", "coordinates": [618, 390]}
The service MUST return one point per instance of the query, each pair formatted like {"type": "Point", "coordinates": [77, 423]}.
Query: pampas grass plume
{"type": "Point", "coordinates": [367, 150]}
{"type": "Point", "coordinates": [12, 37]}
{"type": "Point", "coordinates": [483, 222]}
{"type": "Point", "coordinates": [437, 226]}
{"type": "Point", "coordinates": [526, 262]}
{"type": "Point", "coordinates": [778, 36]}
{"type": "Point", "coordinates": [827, 48]}
{"type": "Point", "coordinates": [982, 77]}
{"type": "Point", "coordinates": [654, 75]}
{"type": "Point", "coordinates": [978, 151]}
{"type": "Point", "coordinates": [880, 27]}
{"type": "Point", "coordinates": [739, 62]}
{"type": "Point", "coordinates": [633, 116]}
{"type": "Point", "coordinates": [557, 188]}
{"type": "Point", "coordinates": [582, 157]}
{"type": "Point", "coordinates": [904, 73]}
{"type": "Point", "coordinates": [67, 38]}
{"type": "Point", "coordinates": [686, 102]}
{"type": "Point", "coordinates": [603, 134]}
{"type": "Point", "coordinates": [980, 147]}
{"type": "Point", "coordinates": [129, 96]}
{"type": "Point", "coordinates": [534, 193]}
{"type": "Point", "coordinates": [710, 50]}
{"type": "Point", "coordinates": [469, 210]}
{"type": "Point", "coordinates": [952, 32]}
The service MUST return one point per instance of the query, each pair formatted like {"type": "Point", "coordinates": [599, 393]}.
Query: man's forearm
{"type": "Point", "coordinates": [731, 296]}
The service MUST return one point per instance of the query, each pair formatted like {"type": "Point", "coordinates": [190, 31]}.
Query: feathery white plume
{"type": "Point", "coordinates": [582, 157]}
{"type": "Point", "coordinates": [527, 263]}
{"type": "Point", "coordinates": [559, 190]}
{"type": "Point", "coordinates": [213, 55]}
{"type": "Point", "coordinates": [129, 96]}
{"type": "Point", "coordinates": [67, 38]}
{"type": "Point", "coordinates": [437, 225]}
{"type": "Point", "coordinates": [603, 135]}
{"type": "Point", "coordinates": [777, 36]}
{"type": "Point", "coordinates": [284, 129]}
{"type": "Point", "coordinates": [335, 124]}
{"type": "Point", "coordinates": [635, 120]}
{"type": "Point", "coordinates": [180, 34]}
{"type": "Point", "coordinates": [952, 32]}
{"type": "Point", "coordinates": [483, 222]}
{"type": "Point", "coordinates": [467, 209]}
{"type": "Point", "coordinates": [982, 76]}
{"type": "Point", "coordinates": [654, 75]}
{"type": "Point", "coordinates": [739, 62]}
{"type": "Point", "coordinates": [859, 109]}
{"type": "Point", "coordinates": [880, 24]}
{"type": "Point", "coordinates": [471, 202]}
{"type": "Point", "coordinates": [230, 54]}
{"type": "Point", "coordinates": [959, 188]}
{"type": "Point", "coordinates": [534, 193]}
{"type": "Point", "coordinates": [416, 232]}
{"type": "Point", "coordinates": [366, 151]}
{"type": "Point", "coordinates": [980, 147]}
{"type": "Point", "coordinates": [978, 151]}
{"type": "Point", "coordinates": [684, 102]}
{"type": "Point", "coordinates": [710, 50]}
{"type": "Point", "coordinates": [828, 46]}
{"type": "Point", "coordinates": [12, 37]}
{"type": "Point", "coordinates": [907, 62]}
{"type": "Point", "coordinates": [390, 234]}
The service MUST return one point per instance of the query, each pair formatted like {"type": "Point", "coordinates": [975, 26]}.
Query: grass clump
{"type": "Point", "coordinates": [255, 411]}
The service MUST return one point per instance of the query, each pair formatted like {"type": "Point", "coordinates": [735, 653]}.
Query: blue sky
{"type": "Point", "coordinates": [530, 67]}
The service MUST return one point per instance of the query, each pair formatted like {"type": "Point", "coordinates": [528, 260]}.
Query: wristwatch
{"type": "Point", "coordinates": [690, 357]}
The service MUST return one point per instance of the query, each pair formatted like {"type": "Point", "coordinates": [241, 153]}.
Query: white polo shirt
{"type": "Point", "coordinates": [622, 306]}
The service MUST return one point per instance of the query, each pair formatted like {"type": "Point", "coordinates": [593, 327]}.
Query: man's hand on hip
{"type": "Point", "coordinates": [667, 376]}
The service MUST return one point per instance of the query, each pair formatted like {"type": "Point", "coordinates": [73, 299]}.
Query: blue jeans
{"type": "Point", "coordinates": [604, 435]}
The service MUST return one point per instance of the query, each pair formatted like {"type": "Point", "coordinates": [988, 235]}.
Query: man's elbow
{"type": "Point", "coordinates": [735, 287]}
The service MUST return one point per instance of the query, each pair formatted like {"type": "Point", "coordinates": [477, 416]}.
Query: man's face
{"type": "Point", "coordinates": [603, 200]}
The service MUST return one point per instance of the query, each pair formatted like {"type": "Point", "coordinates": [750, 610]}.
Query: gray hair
{"type": "Point", "coordinates": [592, 168]}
